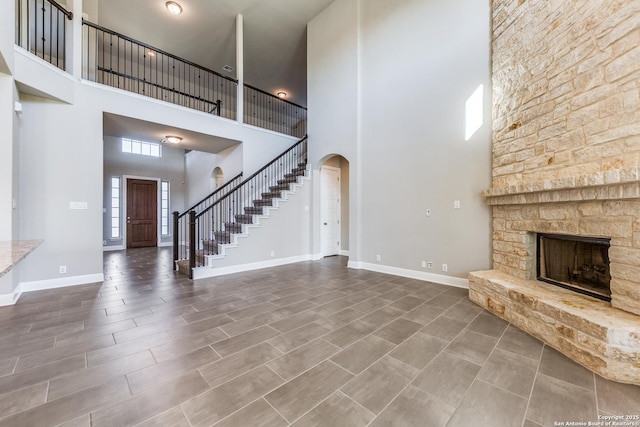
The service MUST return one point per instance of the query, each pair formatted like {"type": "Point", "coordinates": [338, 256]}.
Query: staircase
{"type": "Point", "coordinates": [206, 234]}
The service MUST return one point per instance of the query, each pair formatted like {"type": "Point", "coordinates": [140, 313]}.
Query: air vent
{"type": "Point", "coordinates": [228, 68]}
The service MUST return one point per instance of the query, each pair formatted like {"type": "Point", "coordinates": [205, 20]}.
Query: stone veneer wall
{"type": "Point", "coordinates": [566, 157]}
{"type": "Point", "coordinates": [566, 148]}
{"type": "Point", "coordinates": [566, 81]}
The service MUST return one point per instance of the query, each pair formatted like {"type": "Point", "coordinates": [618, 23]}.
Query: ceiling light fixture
{"type": "Point", "coordinates": [172, 139]}
{"type": "Point", "coordinates": [173, 7]}
{"type": "Point", "coordinates": [151, 53]}
{"type": "Point", "coordinates": [282, 94]}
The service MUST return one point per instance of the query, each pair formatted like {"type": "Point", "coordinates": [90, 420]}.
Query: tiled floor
{"type": "Point", "coordinates": [307, 344]}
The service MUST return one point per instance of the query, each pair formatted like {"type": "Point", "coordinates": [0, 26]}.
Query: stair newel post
{"type": "Point", "coordinates": [176, 238]}
{"type": "Point", "coordinates": [192, 242]}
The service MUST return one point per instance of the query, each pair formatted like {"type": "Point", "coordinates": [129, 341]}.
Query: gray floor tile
{"type": "Point", "coordinates": [418, 350]}
{"type": "Point", "coordinates": [553, 400]}
{"type": "Point", "coordinates": [557, 365]}
{"type": "Point", "coordinates": [86, 384]}
{"type": "Point", "coordinates": [398, 330]}
{"type": "Point", "coordinates": [617, 398]}
{"type": "Point", "coordinates": [510, 372]}
{"type": "Point", "coordinates": [336, 411]}
{"type": "Point", "coordinates": [173, 417]}
{"type": "Point", "coordinates": [488, 324]}
{"type": "Point", "coordinates": [303, 358]}
{"type": "Point", "coordinates": [380, 383]}
{"type": "Point", "coordinates": [208, 408]}
{"type": "Point", "coordinates": [257, 414]}
{"type": "Point", "coordinates": [499, 408]}
{"type": "Point", "coordinates": [413, 407]}
{"type": "Point", "coordinates": [349, 333]}
{"type": "Point", "coordinates": [230, 367]}
{"type": "Point", "coordinates": [298, 396]}
{"type": "Point", "coordinates": [245, 340]}
{"type": "Point", "coordinates": [360, 355]}
{"type": "Point", "coordinates": [448, 378]}
{"type": "Point", "coordinates": [382, 316]}
{"type": "Point", "coordinates": [472, 346]}
{"type": "Point", "coordinates": [464, 312]}
{"type": "Point", "coordinates": [300, 336]}
{"type": "Point", "coordinates": [519, 342]}
{"type": "Point", "coordinates": [424, 314]}
{"type": "Point", "coordinates": [444, 328]}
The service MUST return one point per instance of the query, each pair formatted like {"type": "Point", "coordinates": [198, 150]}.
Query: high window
{"type": "Point", "coordinates": [143, 148]}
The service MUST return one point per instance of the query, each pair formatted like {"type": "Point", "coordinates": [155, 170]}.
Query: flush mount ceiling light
{"type": "Point", "coordinates": [172, 139]}
{"type": "Point", "coordinates": [174, 7]}
{"type": "Point", "coordinates": [282, 94]}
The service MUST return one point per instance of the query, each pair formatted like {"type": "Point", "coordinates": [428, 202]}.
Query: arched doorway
{"type": "Point", "coordinates": [217, 178]}
{"type": "Point", "coordinates": [334, 206]}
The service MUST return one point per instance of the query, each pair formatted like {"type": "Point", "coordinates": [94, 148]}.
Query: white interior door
{"type": "Point", "coordinates": [330, 207]}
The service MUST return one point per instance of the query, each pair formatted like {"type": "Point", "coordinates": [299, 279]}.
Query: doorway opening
{"type": "Point", "coordinates": [217, 178]}
{"type": "Point", "coordinates": [334, 207]}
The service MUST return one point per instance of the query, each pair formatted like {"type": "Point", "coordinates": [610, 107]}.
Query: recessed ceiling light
{"type": "Point", "coordinates": [172, 139]}
{"type": "Point", "coordinates": [282, 94]}
{"type": "Point", "coordinates": [151, 53]}
{"type": "Point", "coordinates": [174, 7]}
{"type": "Point", "coordinates": [228, 68]}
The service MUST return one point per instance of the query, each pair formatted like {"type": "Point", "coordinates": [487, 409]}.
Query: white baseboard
{"type": "Point", "coordinates": [343, 253]}
{"type": "Point", "coordinates": [205, 272]}
{"type": "Point", "coordinates": [10, 299]}
{"type": "Point", "coordinates": [41, 285]}
{"type": "Point", "coordinates": [411, 274]}
{"type": "Point", "coordinates": [112, 248]}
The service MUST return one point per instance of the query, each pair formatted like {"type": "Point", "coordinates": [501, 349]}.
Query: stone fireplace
{"type": "Point", "coordinates": [566, 157]}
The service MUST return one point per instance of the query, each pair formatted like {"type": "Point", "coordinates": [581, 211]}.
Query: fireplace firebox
{"type": "Point", "coordinates": [577, 263]}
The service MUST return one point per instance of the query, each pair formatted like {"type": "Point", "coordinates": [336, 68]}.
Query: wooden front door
{"type": "Point", "coordinates": [142, 213]}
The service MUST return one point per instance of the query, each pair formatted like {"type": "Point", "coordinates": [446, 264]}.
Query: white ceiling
{"type": "Point", "coordinates": [274, 35]}
{"type": "Point", "coordinates": [126, 127]}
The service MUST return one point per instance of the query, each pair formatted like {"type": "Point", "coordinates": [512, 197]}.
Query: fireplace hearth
{"type": "Point", "coordinates": [577, 263]}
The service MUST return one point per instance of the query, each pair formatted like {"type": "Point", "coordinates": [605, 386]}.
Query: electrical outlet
{"type": "Point", "coordinates": [273, 254]}
{"type": "Point", "coordinates": [63, 269]}
{"type": "Point", "coordinates": [456, 204]}
{"type": "Point", "coordinates": [378, 258]}
{"type": "Point", "coordinates": [445, 267]}
{"type": "Point", "coordinates": [430, 264]}
{"type": "Point", "coordinates": [424, 264]}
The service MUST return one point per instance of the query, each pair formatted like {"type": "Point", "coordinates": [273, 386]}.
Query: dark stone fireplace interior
{"type": "Point", "coordinates": [577, 263]}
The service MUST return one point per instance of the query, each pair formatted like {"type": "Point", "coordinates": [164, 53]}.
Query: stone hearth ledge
{"type": "Point", "coordinates": [604, 339]}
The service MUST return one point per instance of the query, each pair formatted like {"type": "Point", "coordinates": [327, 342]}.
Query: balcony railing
{"type": "Point", "coordinates": [122, 62]}
{"type": "Point", "coordinates": [41, 28]}
{"type": "Point", "coordinates": [270, 112]}
{"type": "Point", "coordinates": [119, 61]}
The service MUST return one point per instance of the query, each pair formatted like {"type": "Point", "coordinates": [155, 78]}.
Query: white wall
{"type": "Point", "coordinates": [417, 61]}
{"type": "Point", "coordinates": [62, 161]}
{"type": "Point", "coordinates": [7, 36]}
{"type": "Point", "coordinates": [199, 166]}
{"type": "Point", "coordinates": [169, 167]}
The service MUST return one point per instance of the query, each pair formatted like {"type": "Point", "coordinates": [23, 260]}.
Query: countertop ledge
{"type": "Point", "coordinates": [14, 251]}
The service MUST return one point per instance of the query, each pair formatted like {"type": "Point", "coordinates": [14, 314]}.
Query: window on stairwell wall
{"type": "Point", "coordinates": [164, 207]}
{"type": "Point", "coordinates": [115, 207]}
{"type": "Point", "coordinates": [474, 118]}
